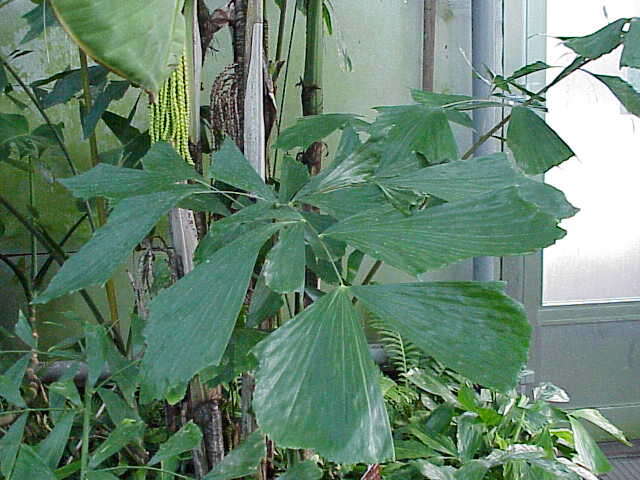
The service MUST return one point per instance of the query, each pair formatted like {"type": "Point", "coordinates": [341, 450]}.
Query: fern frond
{"type": "Point", "coordinates": [403, 355]}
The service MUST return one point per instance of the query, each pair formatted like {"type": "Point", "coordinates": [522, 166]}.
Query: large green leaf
{"type": "Point", "coordinates": [10, 444]}
{"type": "Point", "coordinates": [313, 128]}
{"type": "Point", "coordinates": [589, 452]}
{"type": "Point", "coordinates": [631, 52]}
{"type": "Point", "coordinates": [241, 461]}
{"type": "Point", "coordinates": [284, 266]}
{"type": "Point", "coordinates": [355, 169]}
{"type": "Point", "coordinates": [230, 166]}
{"type": "Point", "coordinates": [129, 222]}
{"type": "Point", "coordinates": [294, 175]}
{"type": "Point", "coordinates": [463, 179]}
{"type": "Point", "coordinates": [52, 447]}
{"type": "Point", "coordinates": [115, 182]}
{"type": "Point", "coordinates": [307, 470]}
{"type": "Point", "coordinates": [224, 231]}
{"type": "Point", "coordinates": [188, 437]}
{"type": "Point", "coordinates": [498, 223]}
{"type": "Point", "coordinates": [418, 128]}
{"type": "Point", "coordinates": [598, 43]}
{"type": "Point", "coordinates": [345, 202]}
{"type": "Point", "coordinates": [624, 92]}
{"type": "Point", "coordinates": [318, 367]}
{"type": "Point", "coordinates": [443, 100]}
{"type": "Point", "coordinates": [471, 327]}
{"type": "Point", "coordinates": [30, 465]}
{"type": "Point", "coordinates": [206, 302]}
{"type": "Point", "coordinates": [163, 168]}
{"type": "Point", "coordinates": [11, 381]}
{"type": "Point", "coordinates": [535, 146]}
{"type": "Point", "coordinates": [121, 35]}
{"type": "Point", "coordinates": [124, 434]}
{"type": "Point", "coordinates": [595, 417]}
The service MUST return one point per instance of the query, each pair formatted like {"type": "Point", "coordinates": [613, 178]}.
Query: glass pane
{"type": "Point", "coordinates": [599, 259]}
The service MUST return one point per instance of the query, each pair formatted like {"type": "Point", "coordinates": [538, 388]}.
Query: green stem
{"type": "Point", "coordinates": [110, 287]}
{"type": "Point", "coordinates": [86, 430]}
{"type": "Point", "coordinates": [49, 261]}
{"type": "Point", "coordinates": [51, 125]}
{"type": "Point", "coordinates": [281, 26]}
{"type": "Point", "coordinates": [284, 85]}
{"type": "Point", "coordinates": [312, 81]}
{"type": "Point", "coordinates": [372, 273]}
{"type": "Point", "coordinates": [578, 63]}
{"type": "Point", "coordinates": [22, 278]}
{"type": "Point", "coordinates": [32, 238]}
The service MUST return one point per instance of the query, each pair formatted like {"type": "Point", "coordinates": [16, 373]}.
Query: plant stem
{"type": "Point", "coordinates": [22, 278]}
{"type": "Point", "coordinates": [486, 137]}
{"type": "Point", "coordinates": [372, 273]}
{"type": "Point", "coordinates": [37, 281]}
{"type": "Point", "coordinates": [312, 103]}
{"type": "Point", "coordinates": [577, 64]}
{"type": "Point", "coordinates": [86, 429]}
{"type": "Point", "coordinates": [284, 84]}
{"type": "Point", "coordinates": [48, 121]}
{"type": "Point", "coordinates": [281, 26]}
{"type": "Point", "coordinates": [110, 288]}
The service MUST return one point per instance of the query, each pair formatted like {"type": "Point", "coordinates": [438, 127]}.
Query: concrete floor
{"type": "Point", "coordinates": [625, 461]}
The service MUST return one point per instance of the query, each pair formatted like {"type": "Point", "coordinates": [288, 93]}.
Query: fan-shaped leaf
{"type": "Point", "coordinates": [470, 327]}
{"type": "Point", "coordinates": [207, 302]}
{"type": "Point", "coordinates": [318, 366]}
{"type": "Point", "coordinates": [535, 146]}
{"type": "Point", "coordinates": [499, 223]}
{"type": "Point", "coordinates": [284, 266]}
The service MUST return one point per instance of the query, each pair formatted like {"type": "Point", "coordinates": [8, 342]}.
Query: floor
{"type": "Point", "coordinates": [625, 461]}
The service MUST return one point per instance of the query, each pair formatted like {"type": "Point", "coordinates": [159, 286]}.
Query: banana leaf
{"type": "Point", "coordinates": [140, 40]}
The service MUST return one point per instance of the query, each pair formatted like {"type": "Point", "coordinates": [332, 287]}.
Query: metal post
{"type": "Point", "coordinates": [487, 53]}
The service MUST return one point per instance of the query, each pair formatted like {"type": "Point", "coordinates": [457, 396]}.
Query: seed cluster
{"type": "Point", "coordinates": [169, 114]}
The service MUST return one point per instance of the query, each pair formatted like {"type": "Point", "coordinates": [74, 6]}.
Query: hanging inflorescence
{"type": "Point", "coordinates": [170, 112]}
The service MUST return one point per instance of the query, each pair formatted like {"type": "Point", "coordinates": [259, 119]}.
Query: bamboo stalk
{"type": "Point", "coordinates": [312, 99]}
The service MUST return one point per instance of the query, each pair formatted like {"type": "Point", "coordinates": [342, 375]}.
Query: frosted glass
{"type": "Point", "coordinates": [599, 259]}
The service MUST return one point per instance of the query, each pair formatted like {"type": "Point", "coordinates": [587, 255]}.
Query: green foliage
{"type": "Point", "coordinates": [396, 192]}
{"type": "Point", "coordinates": [321, 357]}
{"type": "Point", "coordinates": [466, 432]}
{"type": "Point", "coordinates": [241, 461]}
{"type": "Point", "coordinates": [103, 30]}
{"type": "Point", "coordinates": [538, 156]}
